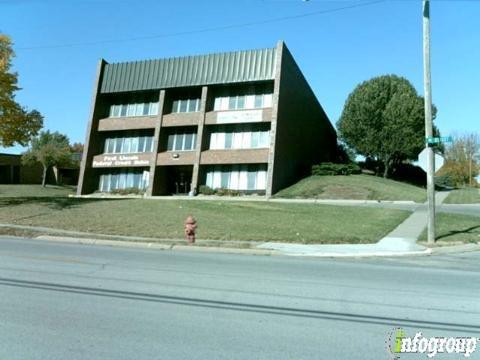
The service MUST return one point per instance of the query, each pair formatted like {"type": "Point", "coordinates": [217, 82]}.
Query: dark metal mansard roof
{"type": "Point", "coordinates": [221, 68]}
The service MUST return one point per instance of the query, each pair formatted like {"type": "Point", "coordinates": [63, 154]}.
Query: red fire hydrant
{"type": "Point", "coordinates": [190, 226]}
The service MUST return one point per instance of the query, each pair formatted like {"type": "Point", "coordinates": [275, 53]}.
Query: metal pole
{"type": "Point", "coordinates": [428, 122]}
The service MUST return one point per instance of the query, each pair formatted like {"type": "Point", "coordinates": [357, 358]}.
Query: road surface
{"type": "Point", "coordinates": [66, 301]}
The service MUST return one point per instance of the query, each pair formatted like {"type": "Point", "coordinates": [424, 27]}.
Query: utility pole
{"type": "Point", "coordinates": [427, 86]}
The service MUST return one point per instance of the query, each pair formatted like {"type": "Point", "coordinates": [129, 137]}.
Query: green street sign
{"type": "Point", "coordinates": [439, 140]}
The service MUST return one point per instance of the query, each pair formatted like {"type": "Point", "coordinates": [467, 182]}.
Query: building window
{"type": "Point", "coordinates": [237, 177]}
{"type": "Point", "coordinates": [240, 102]}
{"type": "Point", "coordinates": [137, 109]}
{"type": "Point", "coordinates": [181, 142]}
{"type": "Point", "coordinates": [185, 105]}
{"type": "Point", "coordinates": [124, 179]}
{"type": "Point", "coordinates": [240, 140]}
{"type": "Point", "coordinates": [126, 145]}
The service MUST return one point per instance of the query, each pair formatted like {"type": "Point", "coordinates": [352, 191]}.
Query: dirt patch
{"type": "Point", "coordinates": [338, 192]}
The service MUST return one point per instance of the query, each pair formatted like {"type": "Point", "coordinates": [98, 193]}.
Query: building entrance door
{"type": "Point", "coordinates": [179, 180]}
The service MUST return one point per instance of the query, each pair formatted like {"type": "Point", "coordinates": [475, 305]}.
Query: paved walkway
{"type": "Point", "coordinates": [402, 240]}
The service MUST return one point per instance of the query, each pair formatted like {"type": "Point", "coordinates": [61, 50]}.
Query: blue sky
{"type": "Point", "coordinates": [337, 44]}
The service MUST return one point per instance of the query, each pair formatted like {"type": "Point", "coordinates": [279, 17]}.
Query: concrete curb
{"type": "Point", "coordinates": [156, 246]}
{"type": "Point", "coordinates": [366, 254]}
{"type": "Point", "coordinates": [216, 249]}
{"type": "Point", "coordinates": [172, 244]}
{"type": "Point", "coordinates": [93, 236]}
{"type": "Point", "coordinates": [455, 249]}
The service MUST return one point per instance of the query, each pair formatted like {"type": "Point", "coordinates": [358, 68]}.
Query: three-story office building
{"type": "Point", "coordinates": [245, 121]}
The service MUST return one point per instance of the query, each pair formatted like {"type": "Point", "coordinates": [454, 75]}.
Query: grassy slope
{"type": "Point", "coordinates": [455, 228]}
{"type": "Point", "coordinates": [360, 187]}
{"type": "Point", "coordinates": [464, 196]}
{"type": "Point", "coordinates": [307, 223]}
{"type": "Point", "coordinates": [34, 191]}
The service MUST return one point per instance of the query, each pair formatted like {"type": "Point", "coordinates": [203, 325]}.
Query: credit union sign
{"type": "Point", "coordinates": [246, 116]}
{"type": "Point", "coordinates": [121, 160]}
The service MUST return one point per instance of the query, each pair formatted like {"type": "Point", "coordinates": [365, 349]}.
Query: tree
{"type": "Point", "coordinates": [77, 147]}
{"type": "Point", "coordinates": [383, 119]}
{"type": "Point", "coordinates": [345, 154]}
{"type": "Point", "coordinates": [17, 124]}
{"type": "Point", "coordinates": [49, 149]}
{"type": "Point", "coordinates": [77, 153]}
{"type": "Point", "coordinates": [462, 159]}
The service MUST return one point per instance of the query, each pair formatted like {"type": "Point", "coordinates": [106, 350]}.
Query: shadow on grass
{"type": "Point", "coordinates": [52, 202]}
{"type": "Point", "coordinates": [469, 230]}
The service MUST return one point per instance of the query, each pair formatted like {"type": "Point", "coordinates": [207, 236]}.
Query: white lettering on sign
{"type": "Point", "coordinates": [228, 117]}
{"type": "Point", "coordinates": [120, 160]}
{"type": "Point", "coordinates": [102, 163]}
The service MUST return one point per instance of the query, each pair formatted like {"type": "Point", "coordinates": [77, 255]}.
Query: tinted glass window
{"type": "Point", "coordinates": [241, 102]}
{"type": "Point", "coordinates": [183, 106]}
{"type": "Point", "coordinates": [188, 142]}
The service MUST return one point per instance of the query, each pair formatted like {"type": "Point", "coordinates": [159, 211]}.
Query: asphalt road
{"type": "Point", "coordinates": [473, 210]}
{"type": "Point", "coordinates": [65, 301]}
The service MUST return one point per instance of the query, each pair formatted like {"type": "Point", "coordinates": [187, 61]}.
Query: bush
{"type": "Point", "coordinates": [372, 165]}
{"type": "Point", "coordinates": [206, 190]}
{"type": "Point", "coordinates": [444, 181]}
{"type": "Point", "coordinates": [128, 191]}
{"type": "Point", "coordinates": [409, 173]}
{"type": "Point", "coordinates": [226, 192]}
{"type": "Point", "coordinates": [335, 169]}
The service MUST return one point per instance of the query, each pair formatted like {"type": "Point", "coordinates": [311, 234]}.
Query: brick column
{"type": "Point", "coordinates": [156, 143]}
{"type": "Point", "coordinates": [273, 126]}
{"type": "Point", "coordinates": [198, 154]}
{"type": "Point", "coordinates": [84, 180]}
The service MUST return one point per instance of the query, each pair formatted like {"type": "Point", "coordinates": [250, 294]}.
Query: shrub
{"type": "Point", "coordinates": [444, 181]}
{"type": "Point", "coordinates": [226, 192]}
{"type": "Point", "coordinates": [372, 165]}
{"type": "Point", "coordinates": [335, 169]}
{"type": "Point", "coordinates": [206, 190]}
{"type": "Point", "coordinates": [128, 191]}
{"type": "Point", "coordinates": [409, 173]}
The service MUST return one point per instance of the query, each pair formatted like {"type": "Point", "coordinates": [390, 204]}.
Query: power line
{"type": "Point", "coordinates": [199, 31]}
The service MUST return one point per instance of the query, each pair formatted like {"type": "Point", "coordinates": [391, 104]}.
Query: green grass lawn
{"type": "Point", "coordinates": [464, 196]}
{"type": "Point", "coordinates": [35, 190]}
{"type": "Point", "coordinates": [358, 187]}
{"type": "Point", "coordinates": [455, 228]}
{"type": "Point", "coordinates": [217, 220]}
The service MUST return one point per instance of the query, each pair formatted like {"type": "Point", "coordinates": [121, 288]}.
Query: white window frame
{"type": "Point", "coordinates": [134, 144]}
{"type": "Point", "coordinates": [247, 140]}
{"type": "Point", "coordinates": [267, 100]}
{"type": "Point", "coordinates": [217, 179]}
{"type": "Point", "coordinates": [131, 108]}
{"type": "Point", "coordinates": [153, 109]}
{"type": "Point", "coordinates": [249, 101]}
{"type": "Point", "coordinates": [213, 141]}
{"type": "Point", "coordinates": [243, 178]}
{"type": "Point", "coordinates": [261, 183]}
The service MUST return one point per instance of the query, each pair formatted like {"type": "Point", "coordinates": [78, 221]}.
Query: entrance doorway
{"type": "Point", "coordinates": [179, 179]}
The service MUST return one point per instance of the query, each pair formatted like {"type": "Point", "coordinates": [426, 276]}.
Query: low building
{"type": "Point", "coordinates": [245, 120]}
{"type": "Point", "coordinates": [12, 171]}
